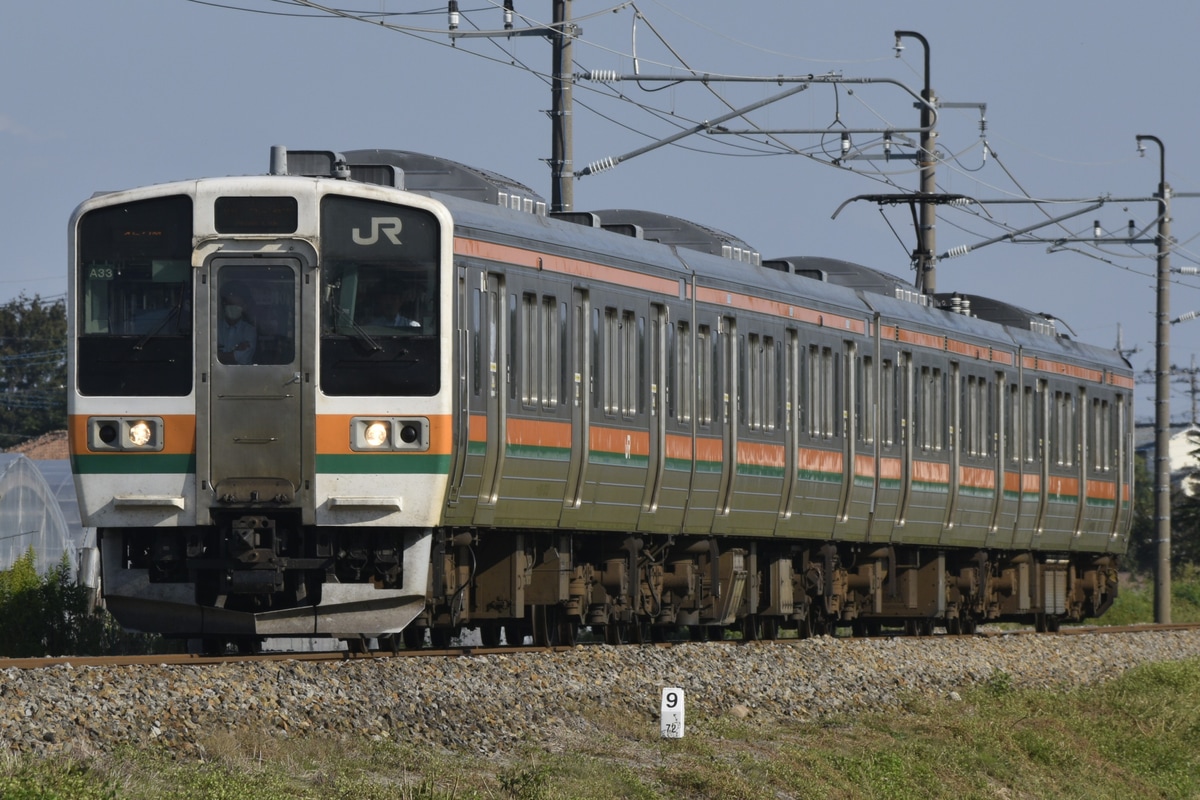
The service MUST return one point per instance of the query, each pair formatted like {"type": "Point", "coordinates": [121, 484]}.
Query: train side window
{"type": "Point", "coordinates": [1100, 435]}
{"type": "Point", "coordinates": [1012, 424]}
{"type": "Point", "coordinates": [704, 375]}
{"type": "Point", "coordinates": [596, 380]}
{"type": "Point", "coordinates": [977, 411]}
{"type": "Point", "coordinates": [612, 372]}
{"type": "Point", "coordinates": [865, 399]}
{"type": "Point", "coordinates": [530, 343]}
{"type": "Point", "coordinates": [556, 359]}
{"type": "Point", "coordinates": [513, 346]}
{"type": "Point", "coordinates": [931, 409]}
{"type": "Point", "coordinates": [771, 366]}
{"type": "Point", "coordinates": [887, 403]}
{"type": "Point", "coordinates": [1029, 423]}
{"type": "Point", "coordinates": [476, 356]}
{"type": "Point", "coordinates": [635, 363]}
{"type": "Point", "coordinates": [684, 372]}
{"type": "Point", "coordinates": [1064, 429]}
{"type": "Point", "coordinates": [748, 379]}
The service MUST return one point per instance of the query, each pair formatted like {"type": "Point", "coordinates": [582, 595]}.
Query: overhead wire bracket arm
{"type": "Point", "coordinates": [963, 249]}
{"type": "Point", "coordinates": [908, 198]}
{"type": "Point", "coordinates": [612, 161]}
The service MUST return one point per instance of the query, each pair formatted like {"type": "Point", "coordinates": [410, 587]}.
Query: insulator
{"type": "Point", "coordinates": [452, 13]}
{"type": "Point", "coordinates": [602, 75]}
{"type": "Point", "coordinates": [955, 252]}
{"type": "Point", "coordinates": [961, 201]}
{"type": "Point", "coordinates": [508, 14]}
{"type": "Point", "coordinates": [599, 166]}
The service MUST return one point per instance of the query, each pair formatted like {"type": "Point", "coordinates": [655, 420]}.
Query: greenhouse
{"type": "Point", "coordinates": [38, 510]}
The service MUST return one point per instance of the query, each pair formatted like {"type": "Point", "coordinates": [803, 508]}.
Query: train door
{"type": "Point", "coordinates": [791, 424]}
{"type": "Point", "coordinates": [462, 386]}
{"type": "Point", "coordinates": [656, 461]}
{"type": "Point", "coordinates": [1041, 413]}
{"type": "Point", "coordinates": [852, 422]}
{"type": "Point", "coordinates": [904, 407]}
{"type": "Point", "coordinates": [999, 425]}
{"type": "Point", "coordinates": [1083, 456]}
{"type": "Point", "coordinates": [728, 414]}
{"type": "Point", "coordinates": [955, 412]}
{"type": "Point", "coordinates": [491, 406]}
{"type": "Point", "coordinates": [581, 404]}
{"type": "Point", "coordinates": [256, 441]}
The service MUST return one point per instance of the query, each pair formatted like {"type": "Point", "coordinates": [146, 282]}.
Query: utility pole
{"type": "Point", "coordinates": [562, 146]}
{"type": "Point", "coordinates": [1162, 394]}
{"type": "Point", "coordinates": [923, 256]}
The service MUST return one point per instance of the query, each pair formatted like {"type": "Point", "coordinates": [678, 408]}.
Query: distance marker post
{"type": "Point", "coordinates": [672, 714]}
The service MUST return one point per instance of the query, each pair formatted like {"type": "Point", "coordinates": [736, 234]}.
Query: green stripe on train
{"type": "Point", "coordinates": [134, 464]}
{"type": "Point", "coordinates": [384, 463]}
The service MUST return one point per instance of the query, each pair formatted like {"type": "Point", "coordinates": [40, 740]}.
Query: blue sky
{"type": "Point", "coordinates": [107, 94]}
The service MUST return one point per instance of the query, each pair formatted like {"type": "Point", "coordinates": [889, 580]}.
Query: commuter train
{"type": "Point", "coordinates": [382, 395]}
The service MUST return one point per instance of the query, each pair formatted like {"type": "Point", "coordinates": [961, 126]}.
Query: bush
{"type": "Point", "coordinates": [51, 615]}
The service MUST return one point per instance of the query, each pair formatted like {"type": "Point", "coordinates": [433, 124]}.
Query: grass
{"type": "Point", "coordinates": [1135, 603]}
{"type": "Point", "coordinates": [1135, 737]}
{"type": "Point", "coordinates": [1138, 736]}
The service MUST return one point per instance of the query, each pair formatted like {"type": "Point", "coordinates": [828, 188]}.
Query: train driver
{"type": "Point", "coordinates": [237, 337]}
{"type": "Point", "coordinates": [392, 311]}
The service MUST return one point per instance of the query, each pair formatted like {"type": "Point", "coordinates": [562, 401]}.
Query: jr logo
{"type": "Point", "coordinates": [388, 226]}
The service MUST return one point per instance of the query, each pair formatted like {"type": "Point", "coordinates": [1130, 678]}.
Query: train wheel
{"type": "Point", "coordinates": [390, 643]}
{"type": "Point", "coordinates": [566, 630]}
{"type": "Point", "coordinates": [616, 633]}
{"type": "Point", "coordinates": [213, 646]}
{"type": "Point", "coordinates": [545, 626]}
{"type": "Point", "coordinates": [357, 645]}
{"type": "Point", "coordinates": [698, 633]}
{"type": "Point", "coordinates": [751, 628]}
{"type": "Point", "coordinates": [248, 645]}
{"type": "Point", "coordinates": [489, 634]}
{"type": "Point", "coordinates": [414, 637]}
{"type": "Point", "coordinates": [439, 638]}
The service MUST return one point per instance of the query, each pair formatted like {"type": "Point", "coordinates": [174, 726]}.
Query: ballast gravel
{"type": "Point", "coordinates": [488, 703]}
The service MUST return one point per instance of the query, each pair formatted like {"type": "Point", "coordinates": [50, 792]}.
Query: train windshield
{"type": "Point", "coordinates": [134, 301]}
{"type": "Point", "coordinates": [379, 290]}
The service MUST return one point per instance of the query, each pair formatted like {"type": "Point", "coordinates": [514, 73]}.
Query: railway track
{"type": "Point", "coordinates": [193, 659]}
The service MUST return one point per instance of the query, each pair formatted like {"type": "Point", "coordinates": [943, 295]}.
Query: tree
{"type": "Point", "coordinates": [1142, 555]}
{"type": "Point", "coordinates": [33, 368]}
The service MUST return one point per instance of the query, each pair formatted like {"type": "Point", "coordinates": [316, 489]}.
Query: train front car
{"type": "Point", "coordinates": [259, 404]}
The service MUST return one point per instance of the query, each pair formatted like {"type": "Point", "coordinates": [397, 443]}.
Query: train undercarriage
{"type": "Point", "coordinates": [257, 576]}
{"type": "Point", "coordinates": [655, 588]}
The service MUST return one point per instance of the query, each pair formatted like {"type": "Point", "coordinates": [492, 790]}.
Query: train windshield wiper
{"type": "Point", "coordinates": [172, 314]}
{"type": "Point", "coordinates": [361, 335]}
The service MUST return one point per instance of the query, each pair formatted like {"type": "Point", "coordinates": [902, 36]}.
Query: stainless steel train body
{"type": "Point", "coordinates": [455, 411]}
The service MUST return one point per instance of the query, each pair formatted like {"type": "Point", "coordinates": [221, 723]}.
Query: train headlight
{"type": "Point", "coordinates": [372, 434]}
{"type": "Point", "coordinates": [376, 434]}
{"type": "Point", "coordinates": [140, 433]}
{"type": "Point", "coordinates": [115, 434]}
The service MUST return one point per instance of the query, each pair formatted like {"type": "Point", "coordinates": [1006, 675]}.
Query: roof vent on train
{"type": "Point", "coordinates": [997, 311]}
{"type": "Point", "coordinates": [663, 228]}
{"type": "Point", "coordinates": [415, 172]}
{"type": "Point", "coordinates": [850, 275]}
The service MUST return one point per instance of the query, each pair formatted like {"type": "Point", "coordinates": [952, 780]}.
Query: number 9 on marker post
{"type": "Point", "coordinates": [672, 714]}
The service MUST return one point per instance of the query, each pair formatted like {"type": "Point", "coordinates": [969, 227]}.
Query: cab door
{"type": "Point", "coordinates": [255, 386]}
